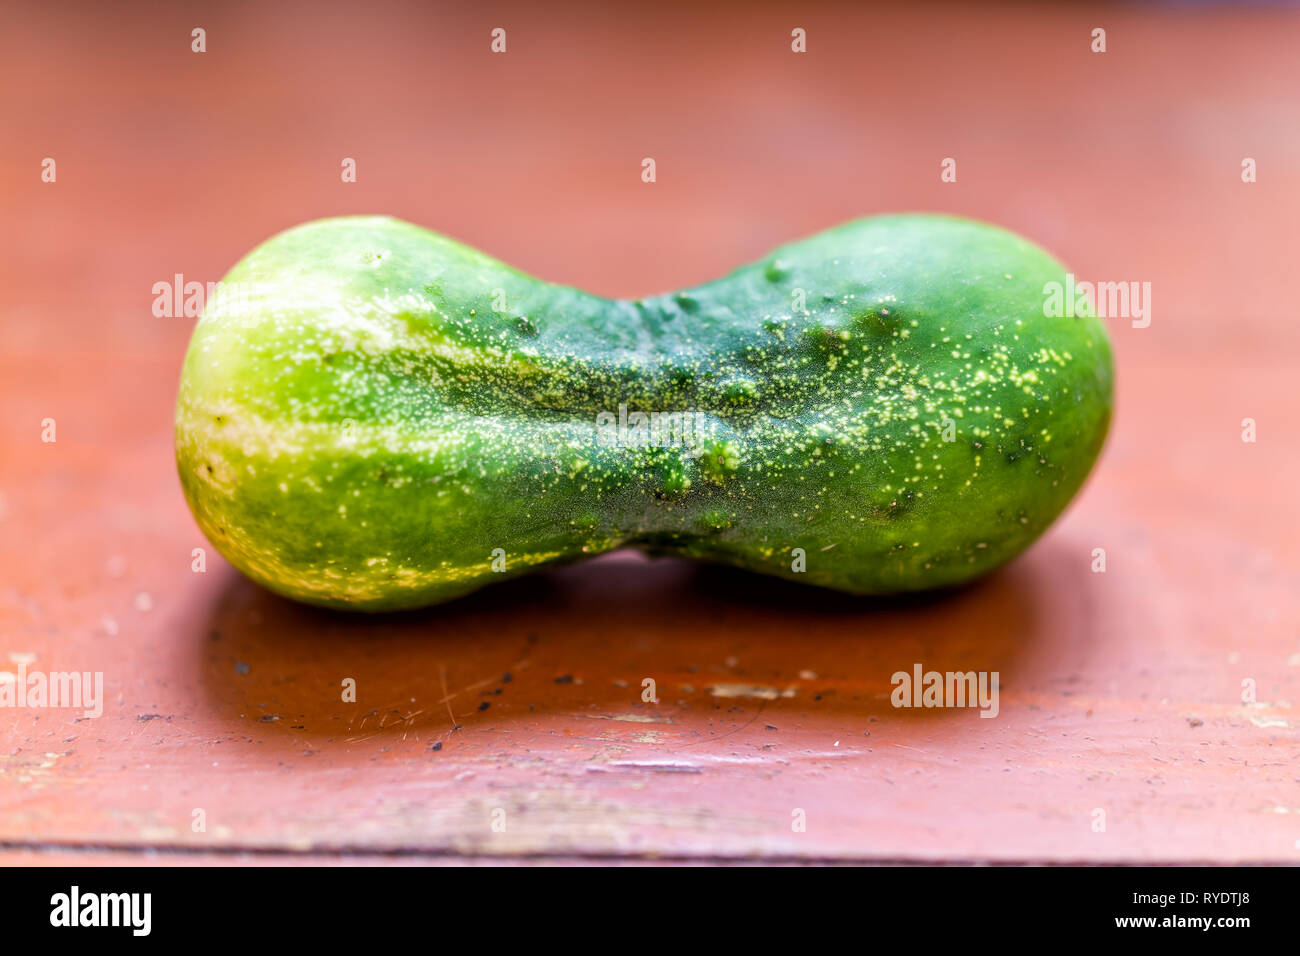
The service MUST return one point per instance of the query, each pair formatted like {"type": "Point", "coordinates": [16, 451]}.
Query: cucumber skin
{"type": "Point", "coordinates": [358, 427]}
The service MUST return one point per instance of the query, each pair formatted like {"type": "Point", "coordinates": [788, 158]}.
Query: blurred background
{"type": "Point", "coordinates": [1121, 690]}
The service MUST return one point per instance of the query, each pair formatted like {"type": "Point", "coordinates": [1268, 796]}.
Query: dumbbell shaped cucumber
{"type": "Point", "coordinates": [373, 416]}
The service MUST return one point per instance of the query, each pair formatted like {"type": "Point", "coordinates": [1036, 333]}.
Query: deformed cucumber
{"type": "Point", "coordinates": [373, 416]}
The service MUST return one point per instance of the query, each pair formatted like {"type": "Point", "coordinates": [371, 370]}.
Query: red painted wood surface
{"type": "Point", "coordinates": [1120, 692]}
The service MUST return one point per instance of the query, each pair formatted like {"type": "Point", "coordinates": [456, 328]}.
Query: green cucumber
{"type": "Point", "coordinates": [373, 416]}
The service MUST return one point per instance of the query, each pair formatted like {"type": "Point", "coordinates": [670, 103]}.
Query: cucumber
{"type": "Point", "coordinates": [373, 416]}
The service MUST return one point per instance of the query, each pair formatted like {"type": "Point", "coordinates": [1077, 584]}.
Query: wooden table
{"type": "Point", "coordinates": [1121, 692]}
